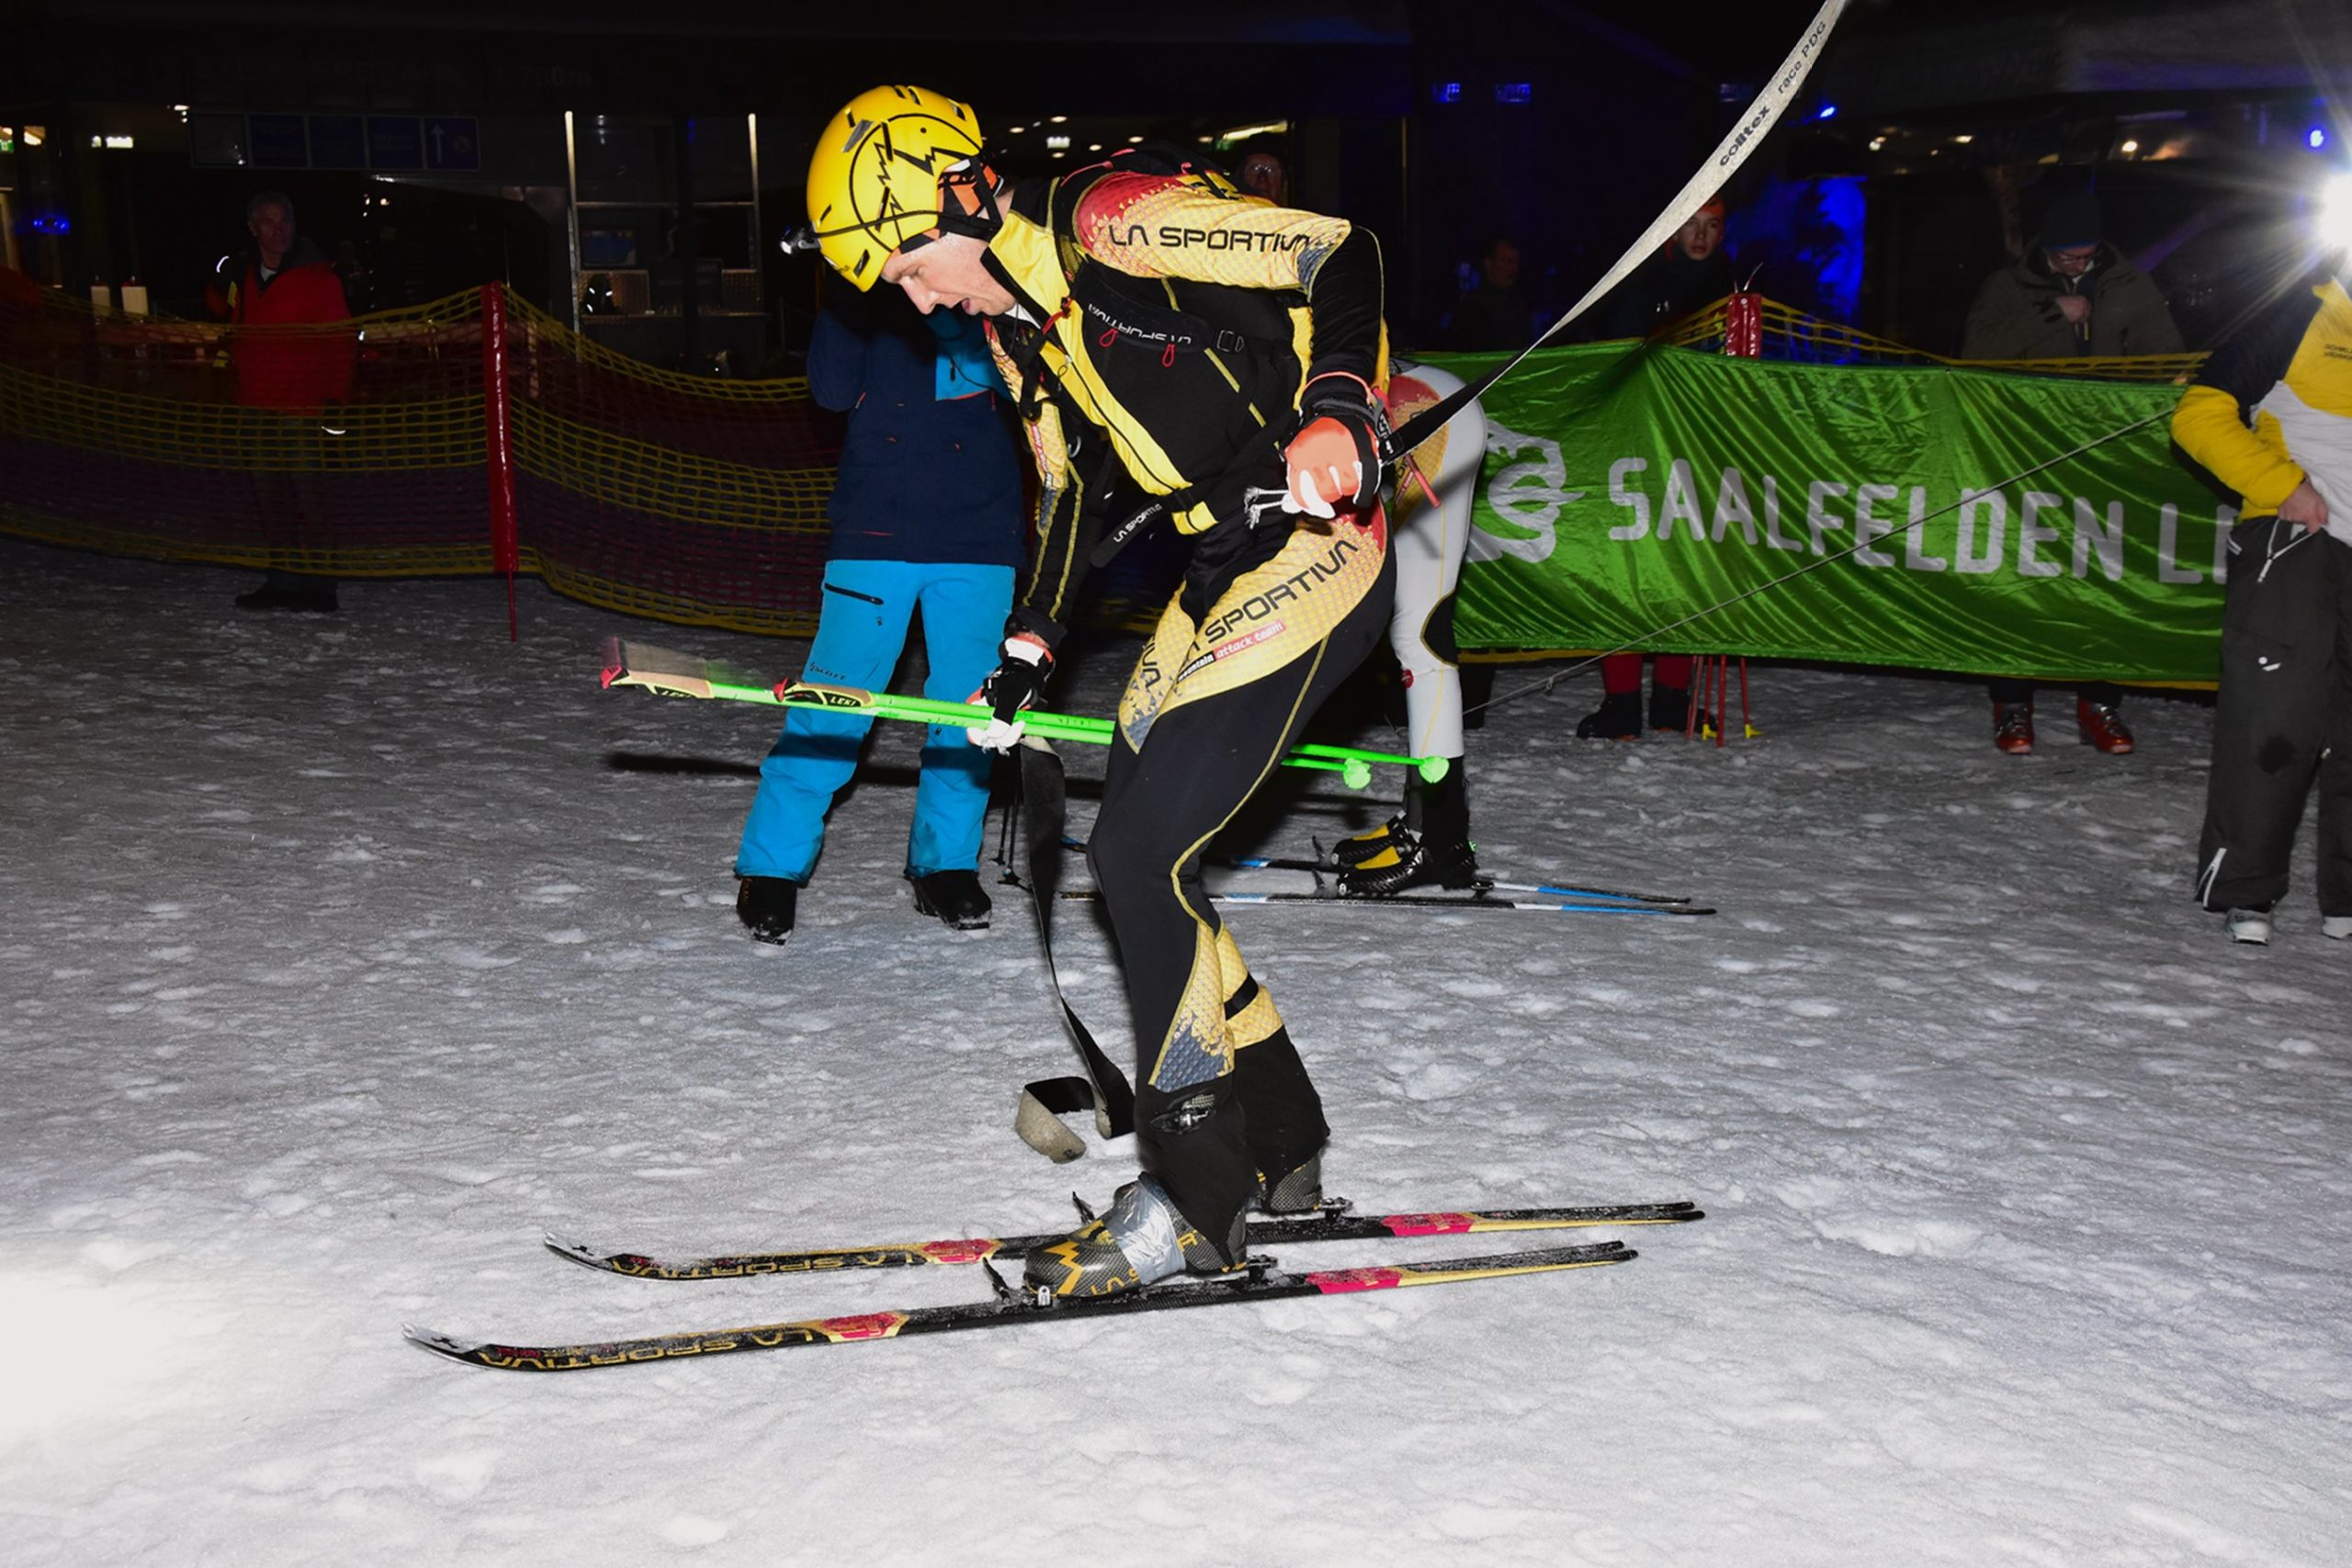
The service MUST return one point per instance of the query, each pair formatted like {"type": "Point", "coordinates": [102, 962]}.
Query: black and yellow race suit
{"type": "Point", "coordinates": [1165, 327]}
{"type": "Point", "coordinates": [2270, 412]}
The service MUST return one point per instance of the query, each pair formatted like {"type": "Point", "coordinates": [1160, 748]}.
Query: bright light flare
{"type": "Point", "coordinates": [2336, 213]}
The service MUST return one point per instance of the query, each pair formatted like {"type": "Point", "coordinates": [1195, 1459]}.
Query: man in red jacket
{"type": "Point", "coordinates": [287, 378]}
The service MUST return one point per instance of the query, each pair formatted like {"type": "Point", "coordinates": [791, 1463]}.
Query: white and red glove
{"type": "Point", "coordinates": [1335, 460]}
{"type": "Point", "coordinates": [1018, 680]}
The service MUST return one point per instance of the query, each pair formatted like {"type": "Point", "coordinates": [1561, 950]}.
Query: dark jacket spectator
{"type": "Point", "coordinates": [930, 467]}
{"type": "Point", "coordinates": [1690, 271]}
{"type": "Point", "coordinates": [1495, 314]}
{"type": "Point", "coordinates": [2071, 294]}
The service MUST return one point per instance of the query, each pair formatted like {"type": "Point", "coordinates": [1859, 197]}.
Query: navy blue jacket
{"type": "Point", "coordinates": [930, 471]}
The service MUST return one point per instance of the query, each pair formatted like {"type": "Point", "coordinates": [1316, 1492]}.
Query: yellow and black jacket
{"type": "Point", "coordinates": [1166, 324]}
{"type": "Point", "coordinates": [2273, 405]}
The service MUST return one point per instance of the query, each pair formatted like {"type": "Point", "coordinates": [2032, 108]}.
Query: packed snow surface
{"type": "Point", "coordinates": [341, 957]}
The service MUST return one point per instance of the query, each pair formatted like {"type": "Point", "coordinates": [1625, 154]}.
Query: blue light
{"type": "Point", "coordinates": [1514, 92]}
{"type": "Point", "coordinates": [1445, 92]}
{"type": "Point", "coordinates": [2317, 139]}
{"type": "Point", "coordinates": [1826, 111]}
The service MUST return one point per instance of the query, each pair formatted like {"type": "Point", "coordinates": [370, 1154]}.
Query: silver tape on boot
{"type": "Point", "coordinates": [1147, 1226]}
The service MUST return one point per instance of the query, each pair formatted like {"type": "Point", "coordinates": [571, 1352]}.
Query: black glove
{"type": "Point", "coordinates": [1019, 680]}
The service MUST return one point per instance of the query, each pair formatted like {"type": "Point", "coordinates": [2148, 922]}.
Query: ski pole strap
{"type": "Point", "coordinates": [1042, 809]}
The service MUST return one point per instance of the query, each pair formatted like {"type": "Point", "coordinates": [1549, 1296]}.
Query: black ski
{"type": "Point", "coordinates": [1334, 1222]}
{"type": "Point", "coordinates": [1473, 900]}
{"type": "Point", "coordinates": [1323, 867]}
{"type": "Point", "coordinates": [1261, 1279]}
{"type": "Point", "coordinates": [1550, 889]}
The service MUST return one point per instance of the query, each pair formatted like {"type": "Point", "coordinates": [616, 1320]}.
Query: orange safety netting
{"type": "Point", "coordinates": [358, 450]}
{"type": "Point", "coordinates": [1787, 334]}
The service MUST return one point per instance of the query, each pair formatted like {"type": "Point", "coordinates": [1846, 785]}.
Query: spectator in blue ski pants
{"type": "Point", "coordinates": [867, 606]}
{"type": "Point", "coordinates": [927, 516]}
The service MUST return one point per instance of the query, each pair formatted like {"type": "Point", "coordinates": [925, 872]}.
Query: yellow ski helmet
{"type": "Point", "coordinates": [874, 182]}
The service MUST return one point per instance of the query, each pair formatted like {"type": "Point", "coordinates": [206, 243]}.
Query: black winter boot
{"type": "Point", "coordinates": [956, 896]}
{"type": "Point", "coordinates": [1671, 708]}
{"type": "Point", "coordinates": [766, 905]}
{"type": "Point", "coordinates": [1618, 718]}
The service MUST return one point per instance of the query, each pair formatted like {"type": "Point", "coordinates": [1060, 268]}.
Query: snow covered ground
{"type": "Point", "coordinates": [340, 957]}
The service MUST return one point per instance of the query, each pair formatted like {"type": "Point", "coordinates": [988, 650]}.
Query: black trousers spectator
{"type": "Point", "coordinates": [2284, 716]}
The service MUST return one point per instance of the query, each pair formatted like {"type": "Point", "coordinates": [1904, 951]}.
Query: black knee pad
{"type": "Point", "coordinates": [1437, 632]}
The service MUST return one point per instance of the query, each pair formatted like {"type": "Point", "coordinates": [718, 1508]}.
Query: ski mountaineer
{"type": "Point", "coordinates": [1428, 842]}
{"type": "Point", "coordinates": [1227, 355]}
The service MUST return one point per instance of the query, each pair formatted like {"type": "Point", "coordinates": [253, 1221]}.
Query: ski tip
{"type": "Point", "coordinates": [442, 1344]}
{"type": "Point", "coordinates": [578, 1251]}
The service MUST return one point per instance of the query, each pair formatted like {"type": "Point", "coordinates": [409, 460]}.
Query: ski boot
{"type": "Point", "coordinates": [1618, 718]}
{"type": "Point", "coordinates": [956, 896]}
{"type": "Point", "coordinates": [2102, 727]}
{"type": "Point", "coordinates": [2013, 727]}
{"type": "Point", "coordinates": [1431, 848]}
{"type": "Point", "coordinates": [1143, 1239]}
{"type": "Point", "coordinates": [1352, 851]}
{"type": "Point", "coordinates": [1412, 861]}
{"type": "Point", "coordinates": [2250, 926]}
{"type": "Point", "coordinates": [1299, 1191]}
{"type": "Point", "coordinates": [766, 905]}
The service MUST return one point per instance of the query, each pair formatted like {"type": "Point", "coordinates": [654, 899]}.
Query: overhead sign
{"type": "Point", "coordinates": [394, 141]}
{"type": "Point", "coordinates": [452, 142]}
{"type": "Point", "coordinates": [277, 140]}
{"type": "Point", "coordinates": [391, 142]}
{"type": "Point", "coordinates": [338, 142]}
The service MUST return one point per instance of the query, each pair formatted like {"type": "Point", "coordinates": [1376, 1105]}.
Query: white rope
{"type": "Point", "coordinates": [1716, 171]}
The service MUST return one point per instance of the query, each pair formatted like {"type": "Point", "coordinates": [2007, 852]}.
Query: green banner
{"type": "Point", "coordinates": [1627, 490]}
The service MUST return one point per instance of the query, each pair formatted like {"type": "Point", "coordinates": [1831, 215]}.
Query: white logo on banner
{"type": "Point", "coordinates": [1526, 494]}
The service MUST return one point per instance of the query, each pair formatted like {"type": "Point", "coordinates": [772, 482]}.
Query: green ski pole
{"type": "Point", "coordinates": [675, 674]}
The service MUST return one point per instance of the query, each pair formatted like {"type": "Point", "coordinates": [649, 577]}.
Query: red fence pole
{"type": "Point", "coordinates": [1743, 339]}
{"type": "Point", "coordinates": [1744, 325]}
{"type": "Point", "coordinates": [498, 447]}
